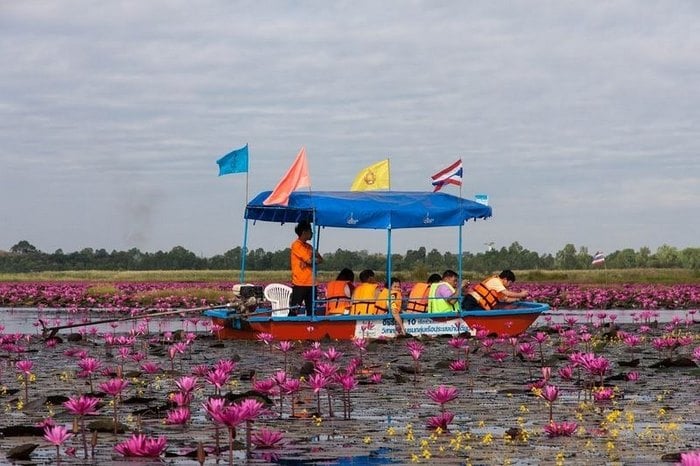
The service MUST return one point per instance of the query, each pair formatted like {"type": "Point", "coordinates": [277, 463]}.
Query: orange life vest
{"type": "Point", "coordinates": [363, 299]}
{"type": "Point", "coordinates": [418, 299]}
{"type": "Point", "coordinates": [336, 299]}
{"type": "Point", "coordinates": [486, 298]}
{"type": "Point", "coordinates": [382, 304]}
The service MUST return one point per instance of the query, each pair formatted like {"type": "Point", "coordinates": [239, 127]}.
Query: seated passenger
{"type": "Point", "coordinates": [418, 298]}
{"type": "Point", "coordinates": [492, 291]}
{"type": "Point", "coordinates": [339, 293]}
{"type": "Point", "coordinates": [390, 298]}
{"type": "Point", "coordinates": [365, 294]}
{"type": "Point", "coordinates": [444, 295]}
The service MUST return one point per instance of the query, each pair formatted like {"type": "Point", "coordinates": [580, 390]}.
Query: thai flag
{"type": "Point", "coordinates": [599, 258]}
{"type": "Point", "coordinates": [449, 175]}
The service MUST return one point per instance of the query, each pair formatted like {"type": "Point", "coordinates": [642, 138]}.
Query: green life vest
{"type": "Point", "coordinates": [437, 304]}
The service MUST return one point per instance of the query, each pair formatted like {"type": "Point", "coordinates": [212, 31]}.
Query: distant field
{"type": "Point", "coordinates": [598, 276]}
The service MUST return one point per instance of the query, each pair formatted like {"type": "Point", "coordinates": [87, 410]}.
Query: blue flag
{"type": "Point", "coordinates": [234, 162]}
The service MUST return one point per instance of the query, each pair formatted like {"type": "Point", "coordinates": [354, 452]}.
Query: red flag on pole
{"type": "Point", "coordinates": [296, 177]}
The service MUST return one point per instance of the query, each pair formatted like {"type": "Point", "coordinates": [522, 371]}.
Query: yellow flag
{"type": "Point", "coordinates": [373, 178]}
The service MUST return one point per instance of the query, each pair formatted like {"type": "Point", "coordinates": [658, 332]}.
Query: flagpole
{"type": "Point", "coordinates": [246, 179]}
{"type": "Point", "coordinates": [388, 166]}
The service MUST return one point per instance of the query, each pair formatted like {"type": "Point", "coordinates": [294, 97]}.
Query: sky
{"type": "Point", "coordinates": [579, 119]}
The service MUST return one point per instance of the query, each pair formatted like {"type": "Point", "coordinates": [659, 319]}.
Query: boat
{"type": "Point", "coordinates": [378, 210]}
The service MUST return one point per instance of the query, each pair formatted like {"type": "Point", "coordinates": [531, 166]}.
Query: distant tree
{"type": "Point", "coordinates": [566, 258]}
{"type": "Point", "coordinates": [667, 256]}
{"type": "Point", "coordinates": [690, 258]}
{"type": "Point", "coordinates": [24, 247]}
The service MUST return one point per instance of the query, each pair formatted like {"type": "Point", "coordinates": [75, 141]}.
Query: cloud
{"type": "Point", "coordinates": [556, 109]}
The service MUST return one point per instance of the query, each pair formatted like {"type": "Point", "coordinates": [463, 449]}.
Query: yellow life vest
{"type": "Point", "coordinates": [382, 304]}
{"type": "Point", "coordinates": [363, 299]}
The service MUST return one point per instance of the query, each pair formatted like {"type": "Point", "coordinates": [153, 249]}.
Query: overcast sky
{"type": "Point", "coordinates": [580, 119]}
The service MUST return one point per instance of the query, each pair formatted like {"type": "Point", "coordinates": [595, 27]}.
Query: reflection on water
{"type": "Point", "coordinates": [25, 320]}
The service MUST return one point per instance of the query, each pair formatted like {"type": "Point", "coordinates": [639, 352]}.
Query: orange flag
{"type": "Point", "coordinates": [296, 177]}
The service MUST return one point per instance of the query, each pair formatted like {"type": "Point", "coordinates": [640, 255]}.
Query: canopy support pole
{"type": "Point", "coordinates": [244, 251]}
{"type": "Point", "coordinates": [459, 263]}
{"type": "Point", "coordinates": [314, 246]}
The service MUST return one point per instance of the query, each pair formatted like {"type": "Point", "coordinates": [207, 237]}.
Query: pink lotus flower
{"type": "Point", "coordinates": [360, 343]}
{"type": "Point", "coordinates": [25, 366]}
{"type": "Point", "coordinates": [264, 337]}
{"type": "Point", "coordinates": [114, 386]}
{"type": "Point", "coordinates": [291, 386]}
{"type": "Point", "coordinates": [56, 435]}
{"type": "Point", "coordinates": [140, 446]}
{"type": "Point", "coordinates": [603, 394]}
{"type": "Point", "coordinates": [225, 365]}
{"type": "Point", "coordinates": [332, 354]}
{"type": "Point", "coordinates": [348, 382]}
{"type": "Point", "coordinates": [178, 416]}
{"type": "Point", "coordinates": [187, 384]}
{"type": "Point", "coordinates": [317, 382]}
{"type": "Point", "coordinates": [266, 438]}
{"type": "Point", "coordinates": [180, 399]}
{"type": "Point", "coordinates": [566, 372]}
{"type": "Point", "coordinates": [88, 366]}
{"type": "Point", "coordinates": [285, 346]}
{"type": "Point", "coordinates": [546, 372]}
{"type": "Point", "coordinates": [442, 395]}
{"type": "Point", "coordinates": [563, 429]}
{"type": "Point", "coordinates": [632, 376]}
{"type": "Point", "coordinates": [312, 354]}
{"type": "Point", "coordinates": [550, 393]}
{"type": "Point", "coordinates": [696, 355]}
{"type": "Point", "coordinates": [150, 368]}
{"type": "Point", "coordinates": [690, 458]}
{"type": "Point", "coordinates": [457, 342]}
{"type": "Point", "coordinates": [82, 405]}
{"type": "Point", "coordinates": [632, 340]}
{"type": "Point", "coordinates": [459, 365]}
{"type": "Point", "coordinates": [527, 350]}
{"type": "Point", "coordinates": [376, 377]}
{"type": "Point", "coordinates": [441, 421]}
{"type": "Point", "coordinates": [498, 356]}
{"type": "Point", "coordinates": [218, 378]}
{"type": "Point", "coordinates": [266, 386]}
{"type": "Point", "coordinates": [326, 370]}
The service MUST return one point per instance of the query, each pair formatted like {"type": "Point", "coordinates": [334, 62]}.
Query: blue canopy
{"type": "Point", "coordinates": [369, 209]}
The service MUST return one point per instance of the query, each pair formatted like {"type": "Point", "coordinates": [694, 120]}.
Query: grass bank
{"type": "Point", "coordinates": [594, 277]}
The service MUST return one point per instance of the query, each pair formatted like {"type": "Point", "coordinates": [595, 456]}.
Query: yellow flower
{"type": "Point", "coordinates": [20, 405]}
{"type": "Point", "coordinates": [524, 409]}
{"type": "Point", "coordinates": [482, 424]}
{"type": "Point", "coordinates": [414, 458]}
{"type": "Point", "coordinates": [487, 439]}
{"type": "Point", "coordinates": [391, 431]}
{"type": "Point", "coordinates": [367, 440]}
{"type": "Point", "coordinates": [426, 454]}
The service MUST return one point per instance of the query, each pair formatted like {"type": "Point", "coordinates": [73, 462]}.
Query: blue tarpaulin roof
{"type": "Point", "coordinates": [369, 209]}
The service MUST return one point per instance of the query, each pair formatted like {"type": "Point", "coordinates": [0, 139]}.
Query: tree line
{"type": "Point", "coordinates": [24, 257]}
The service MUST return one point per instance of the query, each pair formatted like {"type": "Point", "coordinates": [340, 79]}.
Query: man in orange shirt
{"type": "Point", "coordinates": [302, 268]}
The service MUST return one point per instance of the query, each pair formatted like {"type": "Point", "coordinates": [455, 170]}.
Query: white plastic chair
{"type": "Point", "coordinates": [278, 295]}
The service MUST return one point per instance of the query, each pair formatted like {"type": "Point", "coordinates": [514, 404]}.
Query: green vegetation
{"type": "Point", "coordinates": [105, 279]}
{"type": "Point", "coordinates": [261, 265]}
